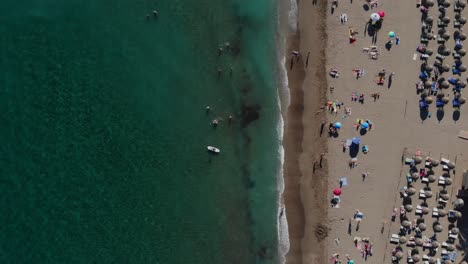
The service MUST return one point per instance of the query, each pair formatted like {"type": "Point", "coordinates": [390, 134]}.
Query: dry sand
{"type": "Point", "coordinates": [397, 126]}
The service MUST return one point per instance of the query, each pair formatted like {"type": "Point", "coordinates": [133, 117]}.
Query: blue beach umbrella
{"type": "Point", "coordinates": [365, 125]}
{"type": "Point", "coordinates": [391, 34]}
{"type": "Point", "coordinates": [356, 141]}
{"type": "Point", "coordinates": [351, 261]}
{"type": "Point", "coordinates": [338, 125]}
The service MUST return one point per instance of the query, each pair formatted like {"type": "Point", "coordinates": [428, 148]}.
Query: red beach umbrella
{"type": "Point", "coordinates": [337, 191]}
{"type": "Point", "coordinates": [381, 14]}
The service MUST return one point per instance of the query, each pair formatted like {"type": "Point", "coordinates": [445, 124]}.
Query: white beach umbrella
{"type": "Point", "coordinates": [375, 17]}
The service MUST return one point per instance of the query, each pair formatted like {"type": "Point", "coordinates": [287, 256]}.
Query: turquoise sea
{"type": "Point", "coordinates": [104, 131]}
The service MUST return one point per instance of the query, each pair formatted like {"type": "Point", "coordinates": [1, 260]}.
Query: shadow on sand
{"type": "Point", "coordinates": [440, 114]}
{"type": "Point", "coordinates": [456, 115]}
{"type": "Point", "coordinates": [353, 150]}
{"type": "Point", "coordinates": [423, 114]}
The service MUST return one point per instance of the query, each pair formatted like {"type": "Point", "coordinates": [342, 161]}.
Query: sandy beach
{"type": "Point", "coordinates": [316, 229]}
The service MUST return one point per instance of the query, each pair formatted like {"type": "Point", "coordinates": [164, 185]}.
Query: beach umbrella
{"type": "Point", "coordinates": [429, 3]}
{"type": "Point", "coordinates": [428, 67]}
{"type": "Point", "coordinates": [445, 100]}
{"type": "Point", "coordinates": [446, 174]}
{"type": "Point", "coordinates": [431, 178]}
{"type": "Point", "coordinates": [462, 84]}
{"type": "Point", "coordinates": [408, 208]}
{"type": "Point", "coordinates": [462, 20]}
{"type": "Point", "coordinates": [428, 84]}
{"type": "Point", "coordinates": [391, 34]}
{"type": "Point", "coordinates": [462, 68]}
{"type": "Point", "coordinates": [429, 20]}
{"type": "Point", "coordinates": [428, 52]}
{"type": "Point", "coordinates": [425, 210]}
{"type": "Point", "coordinates": [338, 125]}
{"type": "Point", "coordinates": [445, 51]}
{"type": "Point", "coordinates": [446, 20]}
{"type": "Point", "coordinates": [432, 260]}
{"type": "Point", "coordinates": [445, 84]}
{"type": "Point", "coordinates": [445, 68]}
{"type": "Point", "coordinates": [411, 191]}
{"type": "Point", "coordinates": [337, 191]}
{"type": "Point", "coordinates": [399, 255]}
{"type": "Point", "coordinates": [419, 242]}
{"type": "Point", "coordinates": [461, 3]}
{"type": "Point", "coordinates": [428, 194]}
{"type": "Point", "coordinates": [442, 213]}
{"type": "Point", "coordinates": [415, 176]}
{"type": "Point", "coordinates": [422, 226]}
{"type": "Point", "coordinates": [461, 36]}
{"type": "Point", "coordinates": [434, 163]}
{"type": "Point", "coordinates": [381, 14]}
{"type": "Point", "coordinates": [435, 244]}
{"type": "Point", "coordinates": [365, 125]}
{"type": "Point", "coordinates": [356, 140]}
{"type": "Point", "coordinates": [461, 100]}
{"type": "Point", "coordinates": [351, 261]}
{"type": "Point", "coordinates": [462, 52]}
{"type": "Point", "coordinates": [448, 261]}
{"type": "Point", "coordinates": [438, 228]}
{"type": "Point", "coordinates": [448, 181]}
{"type": "Point", "coordinates": [406, 223]}
{"type": "Point", "coordinates": [442, 31]}
{"type": "Point", "coordinates": [429, 99]}
{"type": "Point", "coordinates": [424, 94]}
{"type": "Point", "coordinates": [444, 196]}
{"type": "Point", "coordinates": [459, 203]}
{"type": "Point", "coordinates": [450, 247]}
{"type": "Point", "coordinates": [451, 165]}
{"type": "Point", "coordinates": [417, 159]}
{"type": "Point", "coordinates": [375, 17]}
{"type": "Point", "coordinates": [446, 36]}
{"type": "Point", "coordinates": [454, 231]}
{"type": "Point", "coordinates": [402, 240]}
{"type": "Point", "coordinates": [446, 4]}
{"type": "Point", "coordinates": [457, 214]}
{"type": "Point", "coordinates": [416, 258]}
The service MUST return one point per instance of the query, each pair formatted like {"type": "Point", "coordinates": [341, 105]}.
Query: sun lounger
{"type": "Point", "coordinates": [440, 57]}
{"type": "Point", "coordinates": [452, 236]}
{"type": "Point", "coordinates": [444, 161]}
{"type": "Point", "coordinates": [457, 9]}
{"type": "Point", "coordinates": [435, 212]}
{"type": "Point", "coordinates": [395, 239]}
{"type": "Point", "coordinates": [444, 245]}
{"type": "Point", "coordinates": [427, 164]}
{"type": "Point", "coordinates": [445, 168]}
{"type": "Point", "coordinates": [424, 40]}
{"type": "Point", "coordinates": [425, 180]}
{"type": "Point", "coordinates": [418, 210]}
{"type": "Point", "coordinates": [457, 24]}
{"type": "Point", "coordinates": [441, 180]}
{"type": "Point", "coordinates": [422, 194]}
{"type": "Point", "coordinates": [440, 40]}
{"type": "Point", "coordinates": [425, 257]}
{"type": "Point", "coordinates": [442, 201]}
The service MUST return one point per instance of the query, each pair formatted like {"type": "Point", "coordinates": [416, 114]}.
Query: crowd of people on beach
{"type": "Point", "coordinates": [432, 81]}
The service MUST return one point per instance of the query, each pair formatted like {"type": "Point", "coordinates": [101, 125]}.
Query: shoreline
{"type": "Point", "coordinates": [305, 190]}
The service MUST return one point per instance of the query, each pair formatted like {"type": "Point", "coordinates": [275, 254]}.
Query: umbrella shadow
{"type": "Point", "coordinates": [456, 115]}
{"type": "Point", "coordinates": [365, 7]}
{"type": "Point", "coordinates": [423, 114]}
{"type": "Point", "coordinates": [370, 30]}
{"type": "Point", "coordinates": [353, 150]}
{"type": "Point", "coordinates": [362, 131]}
{"type": "Point", "coordinates": [440, 114]}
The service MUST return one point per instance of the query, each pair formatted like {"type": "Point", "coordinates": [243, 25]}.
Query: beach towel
{"type": "Point", "coordinates": [344, 181]}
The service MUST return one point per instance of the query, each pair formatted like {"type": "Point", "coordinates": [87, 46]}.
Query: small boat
{"type": "Point", "coordinates": [213, 149]}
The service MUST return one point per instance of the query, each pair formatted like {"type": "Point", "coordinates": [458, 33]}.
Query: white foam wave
{"type": "Point", "coordinates": [286, 26]}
